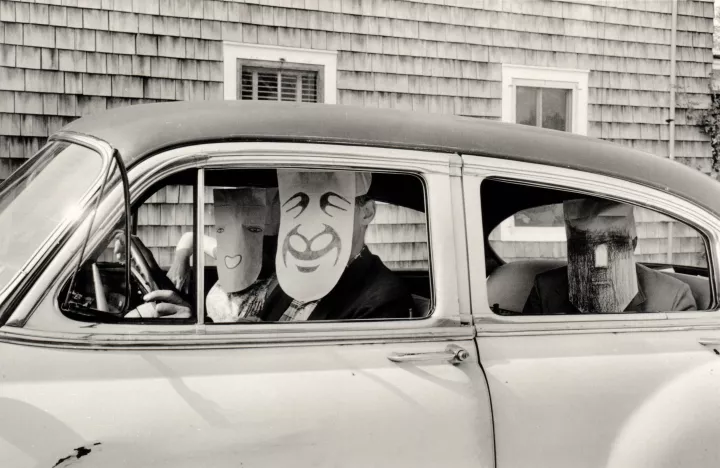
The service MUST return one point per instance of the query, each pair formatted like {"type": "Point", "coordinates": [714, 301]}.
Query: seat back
{"type": "Point", "coordinates": [510, 285]}
{"type": "Point", "coordinates": [699, 285]}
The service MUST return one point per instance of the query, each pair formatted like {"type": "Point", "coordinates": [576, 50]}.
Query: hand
{"type": "Point", "coordinates": [180, 271]}
{"type": "Point", "coordinates": [169, 304]}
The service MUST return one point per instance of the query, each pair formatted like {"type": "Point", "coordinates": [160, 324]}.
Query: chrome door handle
{"type": "Point", "coordinates": [709, 342]}
{"type": "Point", "coordinates": [453, 354]}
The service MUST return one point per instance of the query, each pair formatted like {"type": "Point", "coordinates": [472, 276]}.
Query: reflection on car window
{"type": "Point", "coordinates": [38, 197]}
{"type": "Point", "coordinates": [603, 257]}
{"type": "Point", "coordinates": [283, 246]}
{"type": "Point", "coordinates": [660, 238]}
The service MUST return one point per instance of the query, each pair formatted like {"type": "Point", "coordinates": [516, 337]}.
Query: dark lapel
{"type": "Point", "coordinates": [335, 306]}
{"type": "Point", "coordinates": [276, 303]}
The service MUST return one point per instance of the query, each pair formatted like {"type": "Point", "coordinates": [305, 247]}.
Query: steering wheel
{"type": "Point", "coordinates": [143, 266]}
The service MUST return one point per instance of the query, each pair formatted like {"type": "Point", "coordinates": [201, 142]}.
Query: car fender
{"type": "Point", "coordinates": [678, 425]}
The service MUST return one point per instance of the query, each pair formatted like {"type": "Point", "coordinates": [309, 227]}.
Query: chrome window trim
{"type": "Point", "coordinates": [476, 169]}
{"type": "Point", "coordinates": [447, 322]}
{"type": "Point", "coordinates": [105, 151]}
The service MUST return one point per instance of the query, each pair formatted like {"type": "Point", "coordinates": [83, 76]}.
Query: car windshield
{"type": "Point", "coordinates": [36, 199]}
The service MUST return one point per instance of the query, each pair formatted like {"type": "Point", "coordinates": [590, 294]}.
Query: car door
{"type": "Point", "coordinates": [620, 390]}
{"type": "Point", "coordinates": [390, 393]}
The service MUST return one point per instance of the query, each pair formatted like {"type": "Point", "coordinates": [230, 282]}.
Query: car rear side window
{"type": "Point", "coordinates": [559, 252]}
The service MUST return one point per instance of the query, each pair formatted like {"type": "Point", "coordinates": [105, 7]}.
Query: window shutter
{"type": "Point", "coordinates": [268, 84]}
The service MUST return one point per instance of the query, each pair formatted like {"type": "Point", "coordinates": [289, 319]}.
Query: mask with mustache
{"type": "Point", "coordinates": [240, 224]}
{"type": "Point", "coordinates": [317, 210]}
{"type": "Point", "coordinates": [601, 265]}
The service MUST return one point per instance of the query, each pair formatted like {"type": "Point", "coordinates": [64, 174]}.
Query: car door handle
{"type": "Point", "coordinates": [709, 342]}
{"type": "Point", "coordinates": [453, 354]}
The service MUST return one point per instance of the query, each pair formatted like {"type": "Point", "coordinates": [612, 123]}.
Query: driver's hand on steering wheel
{"type": "Point", "coordinates": [167, 304]}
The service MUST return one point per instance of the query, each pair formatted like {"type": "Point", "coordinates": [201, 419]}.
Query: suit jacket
{"type": "Point", "coordinates": [366, 290]}
{"type": "Point", "coordinates": [657, 292]}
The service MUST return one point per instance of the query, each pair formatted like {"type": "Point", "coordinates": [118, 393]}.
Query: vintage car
{"type": "Point", "coordinates": [465, 380]}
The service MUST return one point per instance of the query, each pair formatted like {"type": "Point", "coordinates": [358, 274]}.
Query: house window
{"type": "Point", "coordinates": [284, 83]}
{"type": "Point", "coordinates": [554, 98]}
{"type": "Point", "coordinates": [271, 73]}
{"type": "Point", "coordinates": [544, 107]}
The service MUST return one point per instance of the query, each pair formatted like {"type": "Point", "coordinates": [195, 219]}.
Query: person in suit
{"type": "Point", "coordinates": [323, 268]}
{"type": "Point", "coordinates": [601, 275]}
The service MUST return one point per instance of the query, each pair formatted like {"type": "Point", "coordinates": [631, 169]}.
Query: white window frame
{"type": "Point", "coordinates": [543, 77]}
{"type": "Point", "coordinates": [232, 51]}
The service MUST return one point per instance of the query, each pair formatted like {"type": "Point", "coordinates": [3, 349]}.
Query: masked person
{"type": "Point", "coordinates": [245, 223]}
{"type": "Point", "coordinates": [601, 276]}
{"type": "Point", "coordinates": [324, 269]}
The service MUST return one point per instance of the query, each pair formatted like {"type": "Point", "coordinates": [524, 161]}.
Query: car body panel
{"type": "Point", "coordinates": [588, 390]}
{"type": "Point", "coordinates": [595, 399]}
{"type": "Point", "coordinates": [301, 405]}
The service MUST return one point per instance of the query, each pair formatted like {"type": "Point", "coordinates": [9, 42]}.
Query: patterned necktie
{"type": "Point", "coordinates": [298, 311]}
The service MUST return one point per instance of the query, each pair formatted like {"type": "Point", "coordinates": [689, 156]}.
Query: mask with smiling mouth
{"type": "Point", "coordinates": [601, 266]}
{"type": "Point", "coordinates": [240, 222]}
{"type": "Point", "coordinates": [317, 210]}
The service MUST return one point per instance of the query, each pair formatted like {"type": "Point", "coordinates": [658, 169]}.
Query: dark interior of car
{"type": "Point", "coordinates": [509, 284]}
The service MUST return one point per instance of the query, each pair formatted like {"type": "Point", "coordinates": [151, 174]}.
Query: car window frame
{"type": "Point", "coordinates": [476, 169]}
{"type": "Point", "coordinates": [440, 172]}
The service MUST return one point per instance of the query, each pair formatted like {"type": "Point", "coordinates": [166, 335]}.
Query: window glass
{"type": "Point", "coordinates": [99, 290]}
{"type": "Point", "coordinates": [39, 197]}
{"type": "Point", "coordinates": [661, 262]}
{"type": "Point", "coordinates": [543, 107]}
{"type": "Point", "coordinates": [278, 84]}
{"type": "Point", "coordinates": [288, 246]}
{"type": "Point", "coordinates": [279, 246]}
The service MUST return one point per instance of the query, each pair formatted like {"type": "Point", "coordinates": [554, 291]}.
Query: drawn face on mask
{"type": "Point", "coordinates": [316, 227]}
{"type": "Point", "coordinates": [240, 223]}
{"type": "Point", "coordinates": [601, 267]}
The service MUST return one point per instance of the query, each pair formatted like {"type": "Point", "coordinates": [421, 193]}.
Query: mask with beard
{"type": "Point", "coordinates": [600, 247]}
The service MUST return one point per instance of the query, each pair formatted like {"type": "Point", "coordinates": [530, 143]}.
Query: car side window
{"type": "Point", "coordinates": [557, 252]}
{"type": "Point", "coordinates": [293, 245]}
{"type": "Point", "coordinates": [158, 222]}
{"type": "Point", "coordinates": [279, 246]}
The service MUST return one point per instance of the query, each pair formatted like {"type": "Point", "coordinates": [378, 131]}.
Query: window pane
{"type": "Point", "coordinates": [309, 87]}
{"type": "Point", "coordinates": [284, 84]}
{"type": "Point", "coordinates": [246, 86]}
{"type": "Point", "coordinates": [288, 87]}
{"type": "Point", "coordinates": [267, 86]}
{"type": "Point", "coordinates": [526, 105]}
{"type": "Point", "coordinates": [39, 198]}
{"type": "Point", "coordinates": [610, 241]}
{"type": "Point", "coordinates": [541, 216]}
{"type": "Point", "coordinates": [246, 278]}
{"type": "Point", "coordinates": [554, 108]}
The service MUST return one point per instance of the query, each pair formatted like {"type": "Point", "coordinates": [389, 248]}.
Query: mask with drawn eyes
{"type": "Point", "coordinates": [240, 217]}
{"type": "Point", "coordinates": [600, 247]}
{"type": "Point", "coordinates": [316, 227]}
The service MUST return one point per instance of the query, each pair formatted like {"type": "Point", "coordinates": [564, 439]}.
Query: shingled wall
{"type": "Point", "coordinates": [60, 59]}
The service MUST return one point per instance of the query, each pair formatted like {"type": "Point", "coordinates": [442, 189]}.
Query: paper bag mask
{"type": "Point", "coordinates": [240, 223]}
{"type": "Point", "coordinates": [601, 266]}
{"type": "Point", "coordinates": [317, 211]}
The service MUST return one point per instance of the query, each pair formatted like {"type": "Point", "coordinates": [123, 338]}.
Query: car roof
{"type": "Point", "coordinates": [140, 131]}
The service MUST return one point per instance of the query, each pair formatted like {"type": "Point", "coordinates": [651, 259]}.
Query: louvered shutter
{"type": "Point", "coordinates": [268, 84]}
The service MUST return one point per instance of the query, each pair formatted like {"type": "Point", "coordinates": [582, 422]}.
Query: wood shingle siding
{"type": "Point", "coordinates": [61, 59]}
